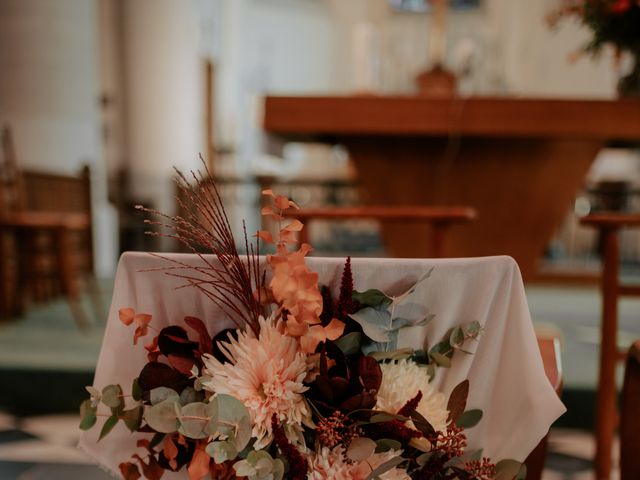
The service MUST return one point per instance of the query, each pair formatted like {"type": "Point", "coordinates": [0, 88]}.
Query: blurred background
{"type": "Point", "coordinates": [101, 99]}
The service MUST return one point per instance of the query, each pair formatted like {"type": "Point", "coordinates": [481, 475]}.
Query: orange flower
{"type": "Point", "coordinates": [128, 316]}
{"type": "Point", "coordinates": [293, 285]}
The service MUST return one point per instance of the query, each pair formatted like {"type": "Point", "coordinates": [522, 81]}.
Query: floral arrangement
{"type": "Point", "coordinates": [305, 387]}
{"type": "Point", "coordinates": [613, 22]}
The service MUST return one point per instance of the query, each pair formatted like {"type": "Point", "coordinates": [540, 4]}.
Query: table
{"type": "Point", "coordinates": [506, 373]}
{"type": "Point", "coordinates": [519, 162]}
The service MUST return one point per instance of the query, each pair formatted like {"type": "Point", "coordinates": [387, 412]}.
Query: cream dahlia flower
{"type": "Point", "coordinates": [332, 464]}
{"type": "Point", "coordinates": [401, 381]}
{"type": "Point", "coordinates": [266, 374]}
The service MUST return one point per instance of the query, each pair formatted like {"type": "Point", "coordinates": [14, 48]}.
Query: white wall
{"type": "Point", "coordinates": [49, 82]}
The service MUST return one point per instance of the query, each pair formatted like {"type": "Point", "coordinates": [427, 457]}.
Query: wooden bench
{"type": "Point", "coordinates": [440, 219]}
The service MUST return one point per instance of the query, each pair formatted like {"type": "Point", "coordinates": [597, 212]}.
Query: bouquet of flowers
{"type": "Point", "coordinates": [305, 387]}
{"type": "Point", "coordinates": [614, 22]}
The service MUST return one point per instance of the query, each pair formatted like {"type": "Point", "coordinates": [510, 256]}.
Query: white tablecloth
{"type": "Point", "coordinates": [506, 374]}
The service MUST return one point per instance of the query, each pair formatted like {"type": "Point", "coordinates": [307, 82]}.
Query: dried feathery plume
{"type": "Point", "coordinates": [230, 282]}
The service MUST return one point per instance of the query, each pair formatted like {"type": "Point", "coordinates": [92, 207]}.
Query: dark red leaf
{"type": "Point", "coordinates": [174, 340]}
{"type": "Point", "coordinates": [458, 401]}
{"type": "Point", "coordinates": [155, 374]}
{"type": "Point", "coordinates": [370, 373]}
{"type": "Point", "coordinates": [182, 364]}
{"type": "Point", "coordinates": [204, 339]}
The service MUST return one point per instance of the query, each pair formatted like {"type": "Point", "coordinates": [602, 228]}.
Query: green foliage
{"type": "Point", "coordinates": [112, 397]}
{"type": "Point", "coordinates": [455, 339]}
{"type": "Point", "coordinates": [386, 444]}
{"type": "Point", "coordinates": [222, 451]}
{"type": "Point", "coordinates": [163, 416]}
{"type": "Point", "coordinates": [87, 415]}
{"type": "Point", "coordinates": [371, 298]}
{"type": "Point", "coordinates": [133, 418]}
{"type": "Point", "coordinates": [469, 419]}
{"type": "Point", "coordinates": [350, 343]}
{"type": "Point", "coordinates": [161, 394]}
{"type": "Point", "coordinates": [383, 317]}
{"type": "Point", "coordinates": [361, 448]}
{"type": "Point", "coordinates": [233, 420]}
{"type": "Point", "coordinates": [136, 391]}
{"type": "Point", "coordinates": [260, 466]}
{"type": "Point", "coordinates": [194, 420]}
{"type": "Point", "coordinates": [108, 426]}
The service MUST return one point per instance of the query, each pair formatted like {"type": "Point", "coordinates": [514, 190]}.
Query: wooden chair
{"type": "Point", "coordinates": [550, 352]}
{"type": "Point", "coordinates": [630, 417]}
{"type": "Point", "coordinates": [23, 264]}
{"type": "Point", "coordinates": [440, 219]}
{"type": "Point", "coordinates": [609, 225]}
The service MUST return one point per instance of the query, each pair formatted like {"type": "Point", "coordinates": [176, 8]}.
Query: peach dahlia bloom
{"type": "Point", "coordinates": [266, 374]}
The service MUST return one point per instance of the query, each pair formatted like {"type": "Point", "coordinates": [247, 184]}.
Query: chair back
{"type": "Point", "coordinates": [630, 417]}
{"type": "Point", "coordinates": [11, 192]}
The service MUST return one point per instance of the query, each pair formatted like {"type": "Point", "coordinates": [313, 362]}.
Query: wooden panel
{"type": "Point", "coordinates": [497, 117]}
{"type": "Point", "coordinates": [521, 189]}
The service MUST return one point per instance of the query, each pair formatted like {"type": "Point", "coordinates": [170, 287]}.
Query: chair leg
{"type": "Point", "coordinates": [630, 417]}
{"type": "Point", "coordinates": [95, 293]}
{"type": "Point", "coordinates": [69, 278]}
{"type": "Point", "coordinates": [535, 460]}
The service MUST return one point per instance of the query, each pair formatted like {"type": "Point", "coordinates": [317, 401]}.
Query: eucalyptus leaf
{"type": "Point", "coordinates": [108, 426]}
{"type": "Point", "coordinates": [190, 395]}
{"type": "Point", "coordinates": [133, 418]}
{"type": "Point", "coordinates": [373, 321]}
{"type": "Point", "coordinates": [473, 328]}
{"type": "Point", "coordinates": [469, 419]}
{"type": "Point", "coordinates": [441, 360]}
{"type": "Point", "coordinates": [397, 354]}
{"type": "Point", "coordinates": [456, 338]}
{"type": "Point", "coordinates": [233, 420]}
{"type": "Point", "coordinates": [212, 412]}
{"type": "Point", "coordinates": [194, 420]}
{"type": "Point", "coordinates": [112, 396]}
{"type": "Point", "coordinates": [349, 343]}
{"type": "Point", "coordinates": [162, 416]}
{"type": "Point", "coordinates": [87, 414]}
{"type": "Point", "coordinates": [371, 298]}
{"type": "Point", "coordinates": [361, 448]}
{"type": "Point", "coordinates": [222, 451]}
{"type": "Point", "coordinates": [160, 394]}
{"type": "Point", "coordinates": [136, 391]}
{"type": "Point", "coordinates": [386, 444]}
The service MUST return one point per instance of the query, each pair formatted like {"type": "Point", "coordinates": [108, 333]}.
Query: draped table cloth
{"type": "Point", "coordinates": [507, 379]}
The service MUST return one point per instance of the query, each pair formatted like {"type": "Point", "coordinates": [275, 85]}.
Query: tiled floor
{"type": "Point", "coordinates": [44, 448]}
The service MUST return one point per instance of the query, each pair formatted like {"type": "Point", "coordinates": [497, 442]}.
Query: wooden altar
{"type": "Point", "coordinates": [518, 162]}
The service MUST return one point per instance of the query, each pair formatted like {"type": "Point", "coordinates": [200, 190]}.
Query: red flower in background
{"type": "Point", "coordinates": [621, 6]}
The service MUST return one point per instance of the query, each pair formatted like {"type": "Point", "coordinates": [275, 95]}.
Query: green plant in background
{"type": "Point", "coordinates": [613, 22]}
